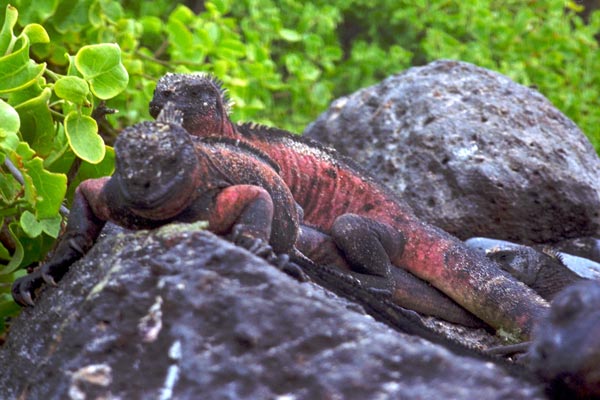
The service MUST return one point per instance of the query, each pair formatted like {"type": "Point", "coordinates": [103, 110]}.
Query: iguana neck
{"type": "Point", "coordinates": [228, 129]}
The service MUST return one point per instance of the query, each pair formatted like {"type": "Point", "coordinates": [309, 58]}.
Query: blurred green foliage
{"type": "Point", "coordinates": [283, 62]}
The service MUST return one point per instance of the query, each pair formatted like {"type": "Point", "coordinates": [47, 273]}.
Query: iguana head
{"type": "Point", "coordinates": [156, 166]}
{"type": "Point", "coordinates": [201, 99]}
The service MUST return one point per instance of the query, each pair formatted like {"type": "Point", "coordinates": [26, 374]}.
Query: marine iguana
{"type": "Point", "coordinates": [164, 175]}
{"type": "Point", "coordinates": [539, 267]}
{"type": "Point", "coordinates": [344, 201]}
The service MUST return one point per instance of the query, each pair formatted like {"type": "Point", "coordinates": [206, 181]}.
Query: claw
{"type": "Point", "coordinates": [295, 272]}
{"type": "Point", "coordinates": [49, 279]}
{"type": "Point", "coordinates": [27, 299]}
{"type": "Point", "coordinates": [21, 296]}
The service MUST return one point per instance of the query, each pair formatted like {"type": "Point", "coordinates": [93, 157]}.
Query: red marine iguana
{"type": "Point", "coordinates": [343, 201]}
{"type": "Point", "coordinates": [164, 175]}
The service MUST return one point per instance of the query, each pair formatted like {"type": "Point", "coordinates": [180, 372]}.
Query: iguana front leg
{"type": "Point", "coordinates": [245, 214]}
{"type": "Point", "coordinates": [82, 230]}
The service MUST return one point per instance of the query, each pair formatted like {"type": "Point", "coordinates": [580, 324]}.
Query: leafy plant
{"type": "Point", "coordinates": [46, 126]}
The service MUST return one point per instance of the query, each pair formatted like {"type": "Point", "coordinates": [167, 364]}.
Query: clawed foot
{"type": "Point", "coordinates": [24, 289]}
{"type": "Point", "coordinates": [264, 250]}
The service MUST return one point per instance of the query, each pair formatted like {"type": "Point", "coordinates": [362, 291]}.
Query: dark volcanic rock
{"type": "Point", "coordinates": [472, 152]}
{"type": "Point", "coordinates": [179, 313]}
{"type": "Point", "coordinates": [569, 340]}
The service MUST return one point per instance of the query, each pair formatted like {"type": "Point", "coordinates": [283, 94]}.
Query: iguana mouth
{"type": "Point", "coordinates": [148, 195]}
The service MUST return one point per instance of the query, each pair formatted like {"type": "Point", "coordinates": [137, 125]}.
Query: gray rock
{"type": "Point", "coordinates": [566, 347]}
{"type": "Point", "coordinates": [179, 313]}
{"type": "Point", "coordinates": [472, 152]}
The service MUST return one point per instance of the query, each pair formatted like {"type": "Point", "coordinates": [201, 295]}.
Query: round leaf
{"type": "Point", "coordinates": [51, 226]}
{"type": "Point", "coordinates": [49, 188]}
{"type": "Point", "coordinates": [36, 33]}
{"type": "Point", "coordinates": [9, 118]}
{"type": "Point", "coordinates": [9, 127]}
{"type": "Point", "coordinates": [82, 134]}
{"type": "Point", "coordinates": [72, 88]}
{"type": "Point", "coordinates": [30, 224]}
{"type": "Point", "coordinates": [101, 66]}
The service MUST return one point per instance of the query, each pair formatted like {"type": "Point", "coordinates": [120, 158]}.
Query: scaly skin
{"type": "Point", "coordinates": [540, 268]}
{"type": "Point", "coordinates": [162, 175]}
{"type": "Point", "coordinates": [328, 186]}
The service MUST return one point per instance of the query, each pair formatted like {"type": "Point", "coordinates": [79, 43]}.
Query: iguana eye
{"type": "Point", "coordinates": [195, 91]}
{"type": "Point", "coordinates": [167, 93]}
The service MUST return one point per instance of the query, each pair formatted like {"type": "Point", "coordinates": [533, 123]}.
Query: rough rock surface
{"type": "Point", "coordinates": [472, 152]}
{"type": "Point", "coordinates": [178, 312]}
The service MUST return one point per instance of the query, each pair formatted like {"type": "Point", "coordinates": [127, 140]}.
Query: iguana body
{"type": "Point", "coordinates": [162, 175]}
{"type": "Point", "coordinates": [337, 197]}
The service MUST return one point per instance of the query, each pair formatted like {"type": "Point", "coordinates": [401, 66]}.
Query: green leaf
{"type": "Point", "coordinates": [71, 15]}
{"type": "Point", "coordinates": [232, 49]}
{"type": "Point", "coordinates": [82, 134]}
{"type": "Point", "coordinates": [18, 253]}
{"type": "Point", "coordinates": [17, 71]}
{"type": "Point", "coordinates": [37, 124]}
{"type": "Point", "coordinates": [36, 33]}
{"type": "Point", "coordinates": [101, 66]}
{"type": "Point", "coordinates": [4, 253]}
{"type": "Point", "coordinates": [9, 127]}
{"type": "Point", "coordinates": [6, 34]}
{"type": "Point", "coordinates": [89, 171]}
{"type": "Point", "coordinates": [50, 188]}
{"type": "Point", "coordinates": [72, 88]}
{"type": "Point", "coordinates": [34, 227]}
{"type": "Point", "coordinates": [10, 190]}
{"type": "Point", "coordinates": [36, 10]}
{"type": "Point", "coordinates": [221, 6]}
{"type": "Point", "coordinates": [104, 168]}
{"type": "Point", "coordinates": [290, 35]}
{"type": "Point", "coordinates": [51, 226]}
{"type": "Point", "coordinates": [30, 224]}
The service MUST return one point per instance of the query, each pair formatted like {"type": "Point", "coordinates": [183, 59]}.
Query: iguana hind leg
{"type": "Point", "coordinates": [368, 245]}
{"type": "Point", "coordinates": [409, 291]}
